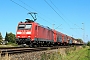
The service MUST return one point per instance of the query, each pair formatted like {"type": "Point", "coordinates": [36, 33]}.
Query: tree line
{"type": "Point", "coordinates": [10, 37]}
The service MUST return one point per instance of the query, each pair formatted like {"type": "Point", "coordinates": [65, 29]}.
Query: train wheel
{"type": "Point", "coordinates": [64, 44]}
{"type": "Point", "coordinates": [35, 45]}
{"type": "Point", "coordinates": [31, 45]}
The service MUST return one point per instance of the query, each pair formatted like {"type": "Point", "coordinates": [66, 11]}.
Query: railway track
{"type": "Point", "coordinates": [14, 50]}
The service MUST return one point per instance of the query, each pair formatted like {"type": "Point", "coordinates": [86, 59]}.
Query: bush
{"type": "Point", "coordinates": [10, 37]}
{"type": "Point", "coordinates": [74, 48]}
{"type": "Point", "coordinates": [51, 56]}
{"type": "Point", "coordinates": [88, 43]}
{"type": "Point", "coordinates": [67, 51]}
{"type": "Point", "coordinates": [84, 46]}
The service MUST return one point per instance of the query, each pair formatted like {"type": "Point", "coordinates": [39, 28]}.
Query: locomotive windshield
{"type": "Point", "coordinates": [28, 26]}
{"type": "Point", "coordinates": [24, 26]}
{"type": "Point", "coordinates": [21, 26]}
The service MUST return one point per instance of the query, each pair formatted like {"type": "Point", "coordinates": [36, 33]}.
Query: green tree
{"type": "Point", "coordinates": [0, 38]}
{"type": "Point", "coordinates": [10, 37]}
{"type": "Point", "coordinates": [88, 43]}
{"type": "Point", "coordinates": [6, 37]}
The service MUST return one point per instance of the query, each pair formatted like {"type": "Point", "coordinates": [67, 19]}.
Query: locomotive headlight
{"type": "Point", "coordinates": [18, 36]}
{"type": "Point", "coordinates": [28, 32]}
{"type": "Point", "coordinates": [19, 32]}
{"type": "Point", "coordinates": [29, 36]}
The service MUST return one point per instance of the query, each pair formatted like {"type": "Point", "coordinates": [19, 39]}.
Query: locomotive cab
{"type": "Point", "coordinates": [24, 32]}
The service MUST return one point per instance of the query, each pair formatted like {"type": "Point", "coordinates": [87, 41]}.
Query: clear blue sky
{"type": "Point", "coordinates": [73, 12]}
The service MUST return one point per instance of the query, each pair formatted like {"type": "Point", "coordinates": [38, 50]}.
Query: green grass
{"type": "Point", "coordinates": [81, 54]}
{"type": "Point", "coordinates": [51, 56]}
{"type": "Point", "coordinates": [88, 54]}
{"type": "Point", "coordinates": [71, 54]}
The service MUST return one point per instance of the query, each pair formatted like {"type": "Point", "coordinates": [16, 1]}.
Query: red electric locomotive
{"type": "Point", "coordinates": [31, 33]}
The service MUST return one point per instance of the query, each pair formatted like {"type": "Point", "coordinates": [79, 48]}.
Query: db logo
{"type": "Point", "coordinates": [23, 32]}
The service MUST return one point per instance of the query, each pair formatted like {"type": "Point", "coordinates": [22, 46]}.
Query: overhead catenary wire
{"type": "Point", "coordinates": [36, 11]}
{"type": "Point", "coordinates": [20, 5]}
{"type": "Point", "coordinates": [26, 5]}
{"type": "Point", "coordinates": [56, 7]}
{"type": "Point", "coordinates": [28, 10]}
{"type": "Point", "coordinates": [45, 20]}
{"type": "Point", "coordinates": [77, 26]}
{"type": "Point", "coordinates": [58, 26]}
{"type": "Point", "coordinates": [57, 12]}
{"type": "Point", "coordinates": [62, 13]}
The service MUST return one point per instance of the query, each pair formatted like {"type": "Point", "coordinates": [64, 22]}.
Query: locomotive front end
{"type": "Point", "coordinates": [23, 34]}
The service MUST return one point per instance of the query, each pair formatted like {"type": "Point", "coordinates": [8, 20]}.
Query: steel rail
{"type": "Point", "coordinates": [23, 50]}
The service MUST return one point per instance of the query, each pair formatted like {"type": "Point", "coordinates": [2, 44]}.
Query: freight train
{"type": "Point", "coordinates": [34, 34]}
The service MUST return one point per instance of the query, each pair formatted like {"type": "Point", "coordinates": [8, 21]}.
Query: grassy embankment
{"type": "Point", "coordinates": [81, 54]}
{"type": "Point", "coordinates": [73, 54]}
